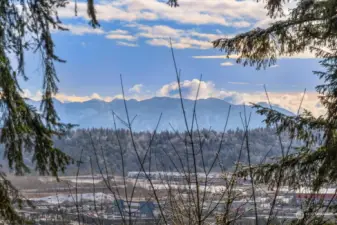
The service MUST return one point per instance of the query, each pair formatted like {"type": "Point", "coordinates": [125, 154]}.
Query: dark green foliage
{"type": "Point", "coordinates": [25, 25]}
{"type": "Point", "coordinates": [173, 3]}
{"type": "Point", "coordinates": [165, 146]}
{"type": "Point", "coordinates": [311, 25]}
{"type": "Point", "coordinates": [9, 197]}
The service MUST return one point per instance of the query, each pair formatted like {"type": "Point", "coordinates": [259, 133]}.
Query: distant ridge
{"type": "Point", "coordinates": [211, 112]}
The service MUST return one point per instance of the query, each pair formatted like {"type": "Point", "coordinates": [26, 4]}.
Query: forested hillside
{"type": "Point", "coordinates": [168, 149]}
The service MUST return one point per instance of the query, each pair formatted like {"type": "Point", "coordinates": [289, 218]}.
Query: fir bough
{"type": "Point", "coordinates": [25, 25]}
{"type": "Point", "coordinates": [310, 26]}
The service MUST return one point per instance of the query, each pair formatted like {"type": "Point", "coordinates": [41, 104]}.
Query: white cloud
{"type": "Point", "coordinates": [75, 98]}
{"type": "Point", "coordinates": [226, 13]}
{"type": "Point", "coordinates": [199, 44]}
{"type": "Point", "coordinates": [68, 98]}
{"type": "Point", "coordinates": [227, 64]}
{"type": "Point", "coordinates": [206, 36]}
{"type": "Point", "coordinates": [287, 100]}
{"type": "Point", "coordinates": [231, 13]}
{"type": "Point", "coordinates": [27, 94]}
{"type": "Point", "coordinates": [81, 29]}
{"type": "Point", "coordinates": [159, 35]}
{"type": "Point", "coordinates": [122, 35]}
{"type": "Point", "coordinates": [119, 31]}
{"type": "Point", "coordinates": [136, 88]}
{"type": "Point", "coordinates": [128, 44]}
{"type": "Point", "coordinates": [105, 12]}
{"type": "Point", "coordinates": [241, 24]}
{"type": "Point", "coordinates": [166, 43]}
{"type": "Point", "coordinates": [159, 31]}
{"type": "Point", "coordinates": [180, 43]}
{"type": "Point", "coordinates": [189, 89]}
{"type": "Point", "coordinates": [118, 36]}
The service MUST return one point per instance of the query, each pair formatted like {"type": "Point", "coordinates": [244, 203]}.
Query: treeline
{"type": "Point", "coordinates": [169, 151]}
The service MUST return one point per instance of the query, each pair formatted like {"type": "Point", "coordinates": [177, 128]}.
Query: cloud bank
{"type": "Point", "coordinates": [134, 16]}
{"type": "Point", "coordinates": [207, 89]}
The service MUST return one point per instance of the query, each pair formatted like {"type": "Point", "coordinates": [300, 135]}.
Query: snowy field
{"type": "Point", "coordinates": [58, 199]}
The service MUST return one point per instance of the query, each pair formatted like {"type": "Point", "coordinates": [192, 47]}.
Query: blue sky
{"type": "Point", "coordinates": [133, 41]}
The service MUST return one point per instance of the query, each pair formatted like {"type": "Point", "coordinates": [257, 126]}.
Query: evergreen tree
{"type": "Point", "coordinates": [25, 25]}
{"type": "Point", "coordinates": [310, 26]}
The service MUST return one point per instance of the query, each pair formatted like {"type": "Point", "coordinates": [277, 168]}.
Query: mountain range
{"type": "Point", "coordinates": [210, 113]}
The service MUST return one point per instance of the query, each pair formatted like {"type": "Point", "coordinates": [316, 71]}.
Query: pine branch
{"type": "Point", "coordinates": [308, 25]}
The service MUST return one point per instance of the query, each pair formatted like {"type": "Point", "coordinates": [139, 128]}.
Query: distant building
{"type": "Point", "coordinates": [324, 195]}
{"type": "Point", "coordinates": [172, 176]}
{"type": "Point", "coordinates": [139, 209]}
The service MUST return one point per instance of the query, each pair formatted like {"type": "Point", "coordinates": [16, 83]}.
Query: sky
{"type": "Point", "coordinates": [133, 41]}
